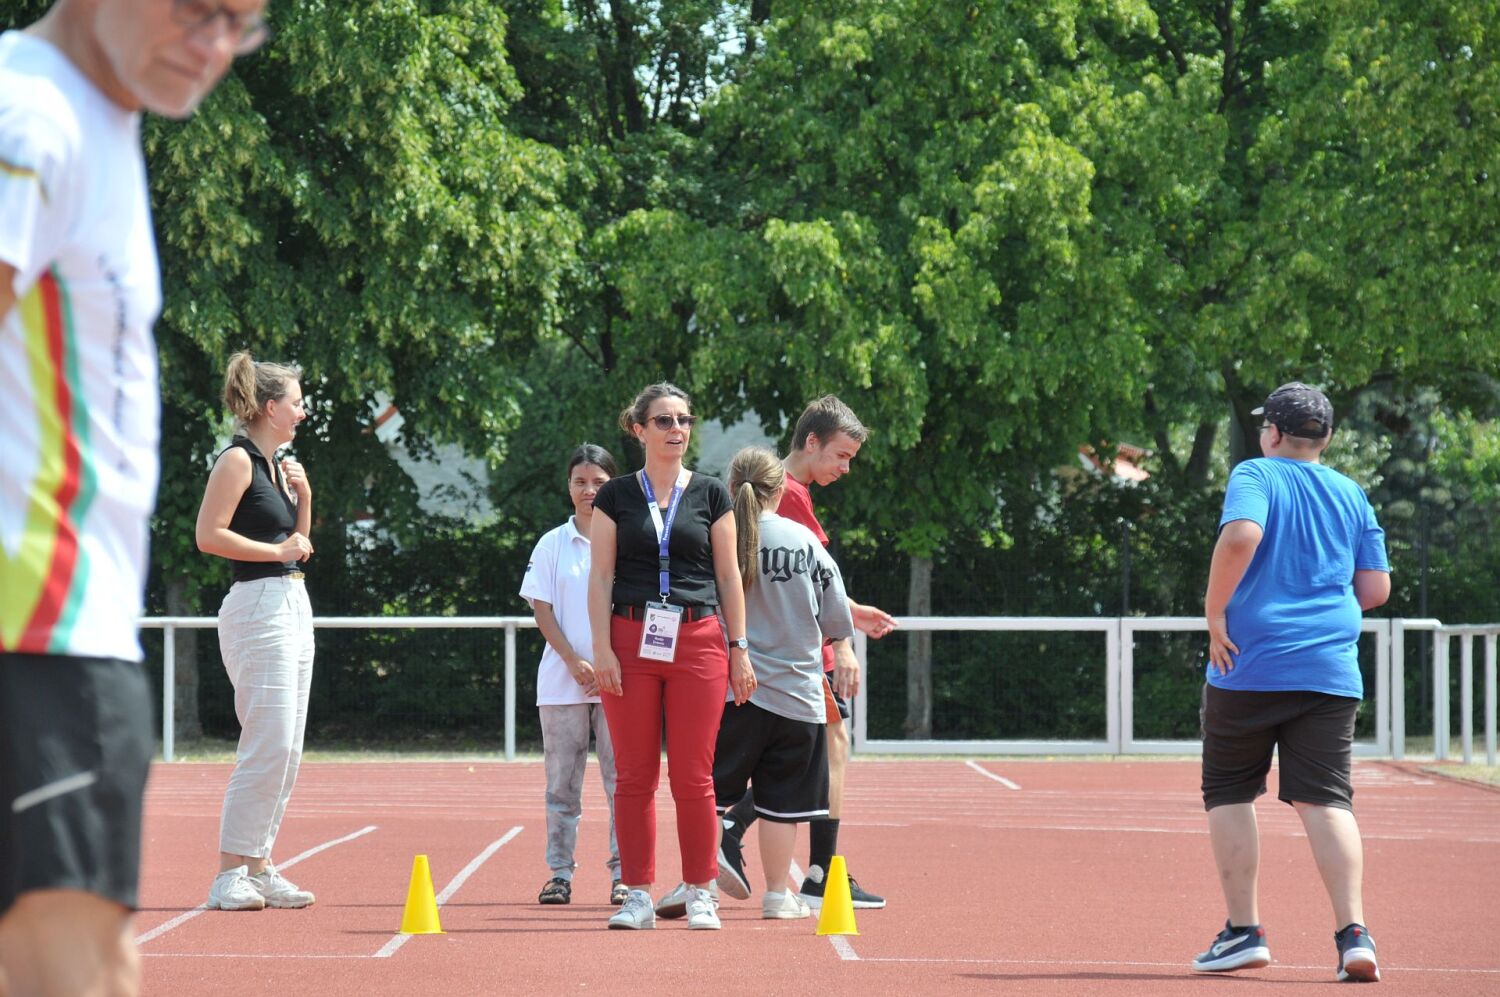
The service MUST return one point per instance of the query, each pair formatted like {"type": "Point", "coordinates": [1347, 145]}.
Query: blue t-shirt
{"type": "Point", "coordinates": [1294, 616]}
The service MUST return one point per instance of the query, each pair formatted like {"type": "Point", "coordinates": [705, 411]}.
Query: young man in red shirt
{"type": "Point", "coordinates": [826, 439]}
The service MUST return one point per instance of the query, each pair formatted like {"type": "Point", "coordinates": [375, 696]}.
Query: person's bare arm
{"type": "Point", "coordinates": [226, 486]}
{"type": "Point", "coordinates": [872, 621]}
{"type": "Point", "coordinates": [732, 604]}
{"type": "Point", "coordinates": [1372, 588]}
{"type": "Point", "coordinates": [602, 541]}
{"type": "Point", "coordinates": [1235, 549]}
{"type": "Point", "coordinates": [7, 289]}
{"type": "Point", "coordinates": [579, 667]}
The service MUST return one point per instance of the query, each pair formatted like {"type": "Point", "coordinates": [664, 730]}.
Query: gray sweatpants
{"type": "Point", "coordinates": [565, 751]}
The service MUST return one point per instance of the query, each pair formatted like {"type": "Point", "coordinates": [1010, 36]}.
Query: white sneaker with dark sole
{"type": "Point", "coordinates": [232, 890]}
{"type": "Point", "coordinates": [673, 904]}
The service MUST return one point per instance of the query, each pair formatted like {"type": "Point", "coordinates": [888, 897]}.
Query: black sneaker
{"type": "Point", "coordinates": [1235, 948]}
{"type": "Point", "coordinates": [812, 892]}
{"type": "Point", "coordinates": [1357, 955]}
{"type": "Point", "coordinates": [732, 880]}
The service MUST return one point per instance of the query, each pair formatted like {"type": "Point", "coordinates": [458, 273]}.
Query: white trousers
{"type": "Point", "coordinates": [266, 640]}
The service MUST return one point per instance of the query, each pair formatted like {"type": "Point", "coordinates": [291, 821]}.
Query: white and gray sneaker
{"type": "Point", "coordinates": [702, 909]}
{"type": "Point", "coordinates": [233, 890]}
{"type": "Point", "coordinates": [674, 903]}
{"type": "Point", "coordinates": [635, 913]}
{"type": "Point", "coordinates": [783, 907]}
{"type": "Point", "coordinates": [279, 891]}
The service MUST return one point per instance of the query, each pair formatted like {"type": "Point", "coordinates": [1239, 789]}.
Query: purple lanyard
{"type": "Point", "coordinates": [663, 529]}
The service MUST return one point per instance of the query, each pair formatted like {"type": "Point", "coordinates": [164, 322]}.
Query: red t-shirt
{"type": "Point", "coordinates": [796, 505]}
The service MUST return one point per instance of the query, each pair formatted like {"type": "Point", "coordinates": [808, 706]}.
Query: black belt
{"type": "Point", "coordinates": [689, 613]}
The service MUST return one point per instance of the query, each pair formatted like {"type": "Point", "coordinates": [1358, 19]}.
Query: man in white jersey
{"type": "Point", "coordinates": [79, 291]}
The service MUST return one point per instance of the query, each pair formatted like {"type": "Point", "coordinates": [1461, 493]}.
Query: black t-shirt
{"type": "Point", "coordinates": [264, 513]}
{"type": "Point", "coordinates": [637, 574]}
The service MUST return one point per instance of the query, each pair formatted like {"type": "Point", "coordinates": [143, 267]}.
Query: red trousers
{"type": "Point", "coordinates": [690, 690]}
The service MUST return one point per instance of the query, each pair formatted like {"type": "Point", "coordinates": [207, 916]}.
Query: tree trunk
{"type": "Point", "coordinates": [918, 724]}
{"type": "Point", "coordinates": [186, 724]}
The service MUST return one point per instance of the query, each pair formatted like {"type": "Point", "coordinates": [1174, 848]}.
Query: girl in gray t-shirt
{"type": "Point", "coordinates": [794, 601]}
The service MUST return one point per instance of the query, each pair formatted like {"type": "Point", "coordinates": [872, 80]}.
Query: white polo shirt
{"type": "Point", "coordinates": [558, 574]}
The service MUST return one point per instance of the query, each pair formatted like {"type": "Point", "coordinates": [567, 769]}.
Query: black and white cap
{"type": "Point", "coordinates": [1298, 409]}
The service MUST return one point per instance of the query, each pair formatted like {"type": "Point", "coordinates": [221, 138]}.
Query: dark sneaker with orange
{"type": "Point", "coordinates": [1357, 955]}
{"type": "Point", "coordinates": [1235, 948]}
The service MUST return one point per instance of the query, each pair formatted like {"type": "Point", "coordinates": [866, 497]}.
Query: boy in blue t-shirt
{"type": "Point", "coordinates": [1299, 557]}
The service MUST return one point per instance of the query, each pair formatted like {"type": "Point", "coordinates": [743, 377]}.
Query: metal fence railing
{"type": "Point", "coordinates": [1117, 688]}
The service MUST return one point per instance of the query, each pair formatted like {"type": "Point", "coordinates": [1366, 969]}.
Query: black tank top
{"type": "Point", "coordinates": [265, 513]}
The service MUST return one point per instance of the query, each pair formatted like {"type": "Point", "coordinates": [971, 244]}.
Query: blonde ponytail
{"type": "Point", "coordinates": [249, 384]}
{"type": "Point", "coordinates": [755, 476]}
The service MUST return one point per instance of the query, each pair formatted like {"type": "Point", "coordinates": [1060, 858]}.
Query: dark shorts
{"type": "Point", "coordinates": [786, 761]}
{"type": "Point", "coordinates": [1312, 733]}
{"type": "Point", "coordinates": [836, 705]}
{"type": "Point", "coordinates": [75, 746]}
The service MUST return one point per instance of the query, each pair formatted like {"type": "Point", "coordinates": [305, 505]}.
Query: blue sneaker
{"type": "Point", "coordinates": [1357, 955]}
{"type": "Point", "coordinates": [1234, 948]}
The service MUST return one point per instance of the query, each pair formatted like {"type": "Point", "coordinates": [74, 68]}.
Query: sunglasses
{"type": "Point", "coordinates": [666, 422]}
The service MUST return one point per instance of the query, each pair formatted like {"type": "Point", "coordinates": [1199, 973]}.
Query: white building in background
{"type": "Point", "coordinates": [455, 484]}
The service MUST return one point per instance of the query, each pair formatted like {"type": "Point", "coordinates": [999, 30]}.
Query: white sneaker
{"type": "Point", "coordinates": [702, 909]}
{"type": "Point", "coordinates": [279, 891]}
{"type": "Point", "coordinates": [635, 913]}
{"type": "Point", "coordinates": [233, 890]}
{"type": "Point", "coordinates": [674, 904]}
{"type": "Point", "coordinates": [783, 907]}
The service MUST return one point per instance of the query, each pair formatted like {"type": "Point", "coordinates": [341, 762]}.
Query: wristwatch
{"type": "Point", "coordinates": [740, 643]}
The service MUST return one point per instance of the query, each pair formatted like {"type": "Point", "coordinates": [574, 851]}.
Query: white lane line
{"type": "Point", "coordinates": [391, 947]}
{"type": "Point", "coordinates": [843, 948]}
{"type": "Point", "coordinates": [183, 918]}
{"type": "Point", "coordinates": [1157, 965]}
{"type": "Point", "coordinates": [990, 775]}
{"type": "Point", "coordinates": [839, 942]}
{"type": "Point", "coordinates": [280, 956]}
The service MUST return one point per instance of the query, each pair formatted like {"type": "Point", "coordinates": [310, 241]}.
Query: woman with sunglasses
{"type": "Point", "coordinates": [257, 514]}
{"type": "Point", "coordinates": [664, 592]}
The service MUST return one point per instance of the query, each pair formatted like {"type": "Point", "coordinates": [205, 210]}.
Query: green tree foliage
{"type": "Point", "coordinates": [999, 231]}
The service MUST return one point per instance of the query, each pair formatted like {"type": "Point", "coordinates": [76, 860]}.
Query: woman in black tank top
{"type": "Point", "coordinates": [257, 513]}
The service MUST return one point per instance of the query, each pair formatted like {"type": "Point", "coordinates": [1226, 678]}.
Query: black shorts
{"type": "Point", "coordinates": [785, 760]}
{"type": "Point", "coordinates": [836, 705]}
{"type": "Point", "coordinates": [1312, 732]}
{"type": "Point", "coordinates": [75, 746]}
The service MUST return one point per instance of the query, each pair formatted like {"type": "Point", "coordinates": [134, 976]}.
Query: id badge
{"type": "Point", "coordinates": [659, 635]}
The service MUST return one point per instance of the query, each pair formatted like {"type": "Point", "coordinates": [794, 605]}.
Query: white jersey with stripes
{"type": "Point", "coordinates": [79, 400]}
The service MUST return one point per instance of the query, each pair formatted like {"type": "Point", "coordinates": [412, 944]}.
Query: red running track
{"type": "Point", "coordinates": [1003, 876]}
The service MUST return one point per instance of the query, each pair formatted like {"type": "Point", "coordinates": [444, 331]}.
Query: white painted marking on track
{"type": "Point", "coordinates": [393, 946]}
{"type": "Point", "coordinates": [1322, 967]}
{"type": "Point", "coordinates": [843, 948]}
{"type": "Point", "coordinates": [279, 956]}
{"type": "Point", "coordinates": [990, 775]}
{"type": "Point", "coordinates": [183, 918]}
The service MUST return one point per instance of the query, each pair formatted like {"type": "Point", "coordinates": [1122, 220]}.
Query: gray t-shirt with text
{"type": "Point", "coordinates": [796, 602]}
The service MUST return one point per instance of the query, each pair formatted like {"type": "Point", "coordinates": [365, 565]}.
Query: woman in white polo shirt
{"type": "Point", "coordinates": [567, 693]}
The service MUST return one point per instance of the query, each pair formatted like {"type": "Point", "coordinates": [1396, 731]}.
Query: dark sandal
{"type": "Point", "coordinates": [618, 893]}
{"type": "Point", "coordinates": [557, 891]}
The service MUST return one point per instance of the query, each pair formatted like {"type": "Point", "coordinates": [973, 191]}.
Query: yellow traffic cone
{"type": "Point", "coordinates": [421, 915]}
{"type": "Point", "coordinates": [837, 915]}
